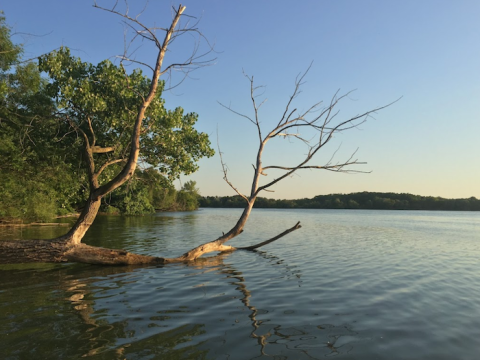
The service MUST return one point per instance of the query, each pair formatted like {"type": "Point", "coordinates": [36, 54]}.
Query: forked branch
{"type": "Point", "coordinates": [197, 59]}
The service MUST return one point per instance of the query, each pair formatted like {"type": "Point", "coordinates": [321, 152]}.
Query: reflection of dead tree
{"type": "Point", "coordinates": [82, 292]}
{"type": "Point", "coordinates": [242, 287]}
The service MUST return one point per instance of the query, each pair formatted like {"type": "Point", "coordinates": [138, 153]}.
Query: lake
{"type": "Point", "coordinates": [350, 284]}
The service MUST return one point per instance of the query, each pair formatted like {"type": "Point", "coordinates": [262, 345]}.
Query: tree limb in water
{"type": "Point", "coordinates": [21, 251]}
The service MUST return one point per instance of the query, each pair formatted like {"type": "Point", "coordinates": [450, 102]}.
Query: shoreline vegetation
{"type": "Point", "coordinates": [360, 200]}
{"type": "Point", "coordinates": [140, 199]}
{"type": "Point", "coordinates": [182, 200]}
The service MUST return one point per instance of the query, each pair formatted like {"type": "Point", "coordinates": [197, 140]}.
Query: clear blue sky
{"type": "Point", "coordinates": [426, 51]}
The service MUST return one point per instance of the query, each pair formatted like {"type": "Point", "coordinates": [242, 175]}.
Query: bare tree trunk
{"type": "Point", "coordinates": [83, 223]}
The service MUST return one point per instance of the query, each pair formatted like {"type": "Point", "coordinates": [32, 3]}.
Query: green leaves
{"type": "Point", "coordinates": [110, 98]}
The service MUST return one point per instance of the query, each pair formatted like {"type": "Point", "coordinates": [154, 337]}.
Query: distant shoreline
{"type": "Point", "coordinates": [361, 201]}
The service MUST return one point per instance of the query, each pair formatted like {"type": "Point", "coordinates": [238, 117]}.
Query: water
{"type": "Point", "coordinates": [351, 284]}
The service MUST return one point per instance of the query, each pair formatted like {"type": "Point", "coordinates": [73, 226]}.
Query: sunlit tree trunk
{"type": "Point", "coordinates": [83, 223]}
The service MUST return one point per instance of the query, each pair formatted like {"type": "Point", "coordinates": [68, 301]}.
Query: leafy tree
{"type": "Point", "coordinates": [98, 103]}
{"type": "Point", "coordinates": [148, 191]}
{"type": "Point", "coordinates": [40, 124]}
{"type": "Point", "coordinates": [33, 166]}
{"type": "Point", "coordinates": [188, 197]}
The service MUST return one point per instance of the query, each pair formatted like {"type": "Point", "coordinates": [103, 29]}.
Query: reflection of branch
{"type": "Point", "coordinates": [247, 295]}
{"type": "Point", "coordinates": [83, 290]}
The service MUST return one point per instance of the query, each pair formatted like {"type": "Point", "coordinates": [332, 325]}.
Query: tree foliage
{"type": "Point", "coordinates": [42, 120]}
{"type": "Point", "coordinates": [106, 98]}
{"type": "Point", "coordinates": [149, 191]}
{"type": "Point", "coordinates": [36, 181]}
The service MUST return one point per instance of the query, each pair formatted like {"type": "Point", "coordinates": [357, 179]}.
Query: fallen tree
{"type": "Point", "coordinates": [322, 121]}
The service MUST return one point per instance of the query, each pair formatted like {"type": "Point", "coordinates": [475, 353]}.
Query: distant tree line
{"type": "Point", "coordinates": [361, 200]}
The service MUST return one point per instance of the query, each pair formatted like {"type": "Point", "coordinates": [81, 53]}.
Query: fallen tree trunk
{"type": "Point", "coordinates": [58, 251]}
{"type": "Point", "coordinates": [25, 251]}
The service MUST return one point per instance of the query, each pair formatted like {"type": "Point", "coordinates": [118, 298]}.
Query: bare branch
{"type": "Point", "coordinates": [196, 59]}
{"type": "Point", "coordinates": [255, 107]}
{"type": "Point", "coordinates": [288, 231]}
{"type": "Point", "coordinates": [324, 123]}
{"type": "Point", "coordinates": [225, 170]}
{"type": "Point", "coordinates": [336, 167]}
{"type": "Point", "coordinates": [237, 113]}
{"type": "Point", "coordinates": [296, 92]}
{"type": "Point", "coordinates": [130, 166]}
{"type": "Point", "coordinates": [125, 58]}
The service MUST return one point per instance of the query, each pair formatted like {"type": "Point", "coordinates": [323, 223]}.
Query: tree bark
{"type": "Point", "coordinates": [83, 223]}
{"type": "Point", "coordinates": [28, 251]}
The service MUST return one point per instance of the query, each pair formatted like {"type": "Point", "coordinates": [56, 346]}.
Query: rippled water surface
{"type": "Point", "coordinates": [348, 284]}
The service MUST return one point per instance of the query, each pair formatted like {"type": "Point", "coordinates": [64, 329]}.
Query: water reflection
{"type": "Point", "coordinates": [242, 287]}
{"type": "Point", "coordinates": [40, 231]}
{"type": "Point", "coordinates": [113, 315]}
{"type": "Point", "coordinates": [100, 332]}
{"type": "Point", "coordinates": [358, 285]}
{"type": "Point", "coordinates": [314, 342]}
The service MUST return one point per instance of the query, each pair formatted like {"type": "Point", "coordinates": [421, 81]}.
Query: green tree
{"type": "Point", "coordinates": [33, 166]}
{"type": "Point", "coordinates": [188, 196]}
{"type": "Point", "coordinates": [97, 102]}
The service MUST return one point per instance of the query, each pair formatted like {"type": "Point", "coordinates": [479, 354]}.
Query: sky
{"type": "Point", "coordinates": [425, 53]}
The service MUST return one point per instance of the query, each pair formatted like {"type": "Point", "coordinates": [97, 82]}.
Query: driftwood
{"type": "Point", "coordinates": [21, 251]}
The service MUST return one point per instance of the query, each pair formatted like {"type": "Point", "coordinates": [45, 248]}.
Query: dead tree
{"type": "Point", "coordinates": [323, 122]}
{"type": "Point", "coordinates": [69, 247]}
